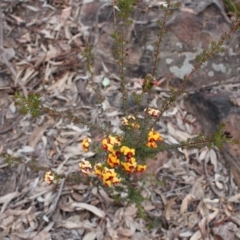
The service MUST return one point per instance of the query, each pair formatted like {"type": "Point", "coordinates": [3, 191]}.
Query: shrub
{"type": "Point", "coordinates": [122, 156]}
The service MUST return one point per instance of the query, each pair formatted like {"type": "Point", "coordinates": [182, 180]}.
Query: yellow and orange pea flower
{"type": "Point", "coordinates": [109, 177]}
{"type": "Point", "coordinates": [152, 144]}
{"type": "Point", "coordinates": [112, 160]}
{"type": "Point", "coordinates": [128, 152]}
{"type": "Point", "coordinates": [85, 144]}
{"type": "Point", "coordinates": [130, 160]}
{"type": "Point", "coordinates": [115, 141]}
{"type": "Point", "coordinates": [152, 112]}
{"type": "Point", "coordinates": [98, 169]}
{"type": "Point", "coordinates": [140, 168]}
{"type": "Point", "coordinates": [112, 181]}
{"type": "Point", "coordinates": [129, 167]}
{"type": "Point", "coordinates": [107, 146]}
{"type": "Point", "coordinates": [49, 177]}
{"type": "Point", "coordinates": [85, 167]}
{"type": "Point", "coordinates": [110, 142]}
{"type": "Point", "coordinates": [154, 136]}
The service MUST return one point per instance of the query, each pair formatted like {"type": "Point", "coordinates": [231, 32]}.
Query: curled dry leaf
{"type": "Point", "coordinates": [185, 203]}
{"type": "Point", "coordinates": [203, 154]}
{"type": "Point", "coordinates": [213, 158]}
{"type": "Point", "coordinates": [90, 236]}
{"type": "Point", "coordinates": [130, 211]}
{"type": "Point", "coordinates": [38, 133]}
{"type": "Point", "coordinates": [125, 232]}
{"type": "Point", "coordinates": [43, 235]}
{"type": "Point", "coordinates": [154, 166]}
{"type": "Point", "coordinates": [24, 235]}
{"type": "Point", "coordinates": [178, 134]}
{"type": "Point", "coordinates": [168, 209]}
{"type": "Point", "coordinates": [112, 232]}
{"type": "Point", "coordinates": [186, 234]}
{"type": "Point", "coordinates": [210, 201]}
{"type": "Point", "coordinates": [90, 208]}
{"type": "Point", "coordinates": [196, 236]}
{"type": "Point", "coordinates": [219, 185]}
{"type": "Point", "coordinates": [170, 113]}
{"type": "Point", "coordinates": [197, 189]}
{"type": "Point", "coordinates": [8, 198]}
{"type": "Point", "coordinates": [75, 222]}
{"type": "Point", "coordinates": [105, 196]}
{"type": "Point", "coordinates": [212, 215]}
{"type": "Point", "coordinates": [226, 231]}
{"type": "Point", "coordinates": [235, 198]}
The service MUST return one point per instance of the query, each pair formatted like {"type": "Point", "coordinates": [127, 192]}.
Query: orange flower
{"type": "Point", "coordinates": [113, 181]}
{"type": "Point", "coordinates": [106, 145]}
{"type": "Point", "coordinates": [116, 181]}
{"type": "Point", "coordinates": [112, 160]}
{"type": "Point", "coordinates": [127, 151]}
{"type": "Point", "coordinates": [110, 142]}
{"type": "Point", "coordinates": [151, 144]}
{"type": "Point", "coordinates": [115, 141]}
{"type": "Point", "coordinates": [98, 169]}
{"type": "Point", "coordinates": [154, 136]}
{"type": "Point", "coordinates": [131, 160]}
{"type": "Point", "coordinates": [109, 177]}
{"type": "Point", "coordinates": [129, 167]}
{"type": "Point", "coordinates": [85, 144]}
{"type": "Point", "coordinates": [140, 168]}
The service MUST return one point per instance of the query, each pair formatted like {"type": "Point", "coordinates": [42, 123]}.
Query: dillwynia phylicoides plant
{"type": "Point", "coordinates": [125, 154]}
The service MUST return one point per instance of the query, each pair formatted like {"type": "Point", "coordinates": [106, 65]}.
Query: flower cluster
{"type": "Point", "coordinates": [110, 142]}
{"type": "Point", "coordinates": [130, 121]}
{"type": "Point", "coordinates": [120, 157]}
{"type": "Point", "coordinates": [153, 138]}
{"type": "Point", "coordinates": [107, 175]}
{"type": "Point", "coordinates": [129, 164]}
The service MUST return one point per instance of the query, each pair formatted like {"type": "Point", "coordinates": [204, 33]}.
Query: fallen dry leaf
{"type": "Point", "coordinates": [185, 203]}
{"type": "Point", "coordinates": [91, 208]}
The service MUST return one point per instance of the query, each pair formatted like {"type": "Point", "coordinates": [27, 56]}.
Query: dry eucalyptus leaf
{"type": "Point", "coordinates": [185, 203]}
{"type": "Point", "coordinates": [90, 208]}
{"type": "Point", "coordinates": [125, 232]}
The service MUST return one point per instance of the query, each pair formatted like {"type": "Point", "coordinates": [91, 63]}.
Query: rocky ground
{"type": "Point", "coordinates": [196, 195]}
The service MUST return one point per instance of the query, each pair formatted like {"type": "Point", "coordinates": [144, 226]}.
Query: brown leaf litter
{"type": "Point", "coordinates": [194, 196]}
